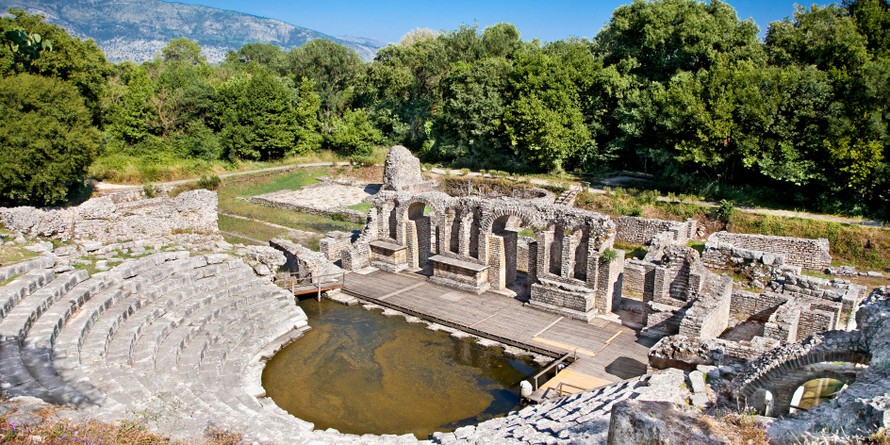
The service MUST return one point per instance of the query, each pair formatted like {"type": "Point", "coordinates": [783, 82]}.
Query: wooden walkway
{"type": "Point", "coordinates": [607, 352]}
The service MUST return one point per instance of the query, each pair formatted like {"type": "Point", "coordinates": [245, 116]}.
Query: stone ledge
{"type": "Point", "coordinates": [391, 247]}
{"type": "Point", "coordinates": [458, 263]}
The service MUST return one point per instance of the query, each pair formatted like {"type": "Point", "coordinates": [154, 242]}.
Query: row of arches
{"type": "Point", "coordinates": [520, 243]}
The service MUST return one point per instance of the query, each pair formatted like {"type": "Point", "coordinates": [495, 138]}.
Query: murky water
{"type": "Point", "coordinates": [819, 391]}
{"type": "Point", "coordinates": [361, 372]}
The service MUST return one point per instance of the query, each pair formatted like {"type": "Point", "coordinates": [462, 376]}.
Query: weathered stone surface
{"type": "Point", "coordinates": [401, 171]}
{"type": "Point", "coordinates": [635, 422]}
{"type": "Point", "coordinates": [113, 219]}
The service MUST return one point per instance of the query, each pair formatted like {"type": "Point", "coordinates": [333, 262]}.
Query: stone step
{"type": "Point", "coordinates": [95, 343]}
{"type": "Point", "coordinates": [19, 320]}
{"type": "Point", "coordinates": [13, 270]}
{"type": "Point", "coordinates": [159, 323]}
{"type": "Point", "coordinates": [21, 287]}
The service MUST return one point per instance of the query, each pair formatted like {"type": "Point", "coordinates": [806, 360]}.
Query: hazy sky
{"type": "Point", "coordinates": [390, 20]}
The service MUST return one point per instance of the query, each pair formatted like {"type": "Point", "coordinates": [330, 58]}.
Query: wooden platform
{"type": "Point", "coordinates": [607, 352]}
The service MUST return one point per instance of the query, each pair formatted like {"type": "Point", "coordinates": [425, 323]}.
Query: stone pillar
{"type": "Point", "coordinates": [567, 265]}
{"type": "Point", "coordinates": [412, 244]}
{"type": "Point", "coordinates": [466, 222]}
{"type": "Point", "coordinates": [532, 274]}
{"type": "Point", "coordinates": [608, 290]}
{"type": "Point", "coordinates": [423, 233]}
{"type": "Point", "coordinates": [497, 273]}
{"type": "Point", "coordinates": [509, 254]}
{"type": "Point", "coordinates": [545, 240]}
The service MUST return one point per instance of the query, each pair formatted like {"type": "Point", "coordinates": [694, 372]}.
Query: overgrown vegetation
{"type": "Point", "coordinates": [679, 88]}
{"type": "Point", "coordinates": [46, 428]}
{"type": "Point", "coordinates": [866, 248]}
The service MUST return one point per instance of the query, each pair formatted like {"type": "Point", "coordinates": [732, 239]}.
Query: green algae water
{"type": "Point", "coordinates": [364, 373]}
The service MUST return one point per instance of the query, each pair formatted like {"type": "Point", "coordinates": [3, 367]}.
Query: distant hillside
{"type": "Point", "coordinates": [138, 29]}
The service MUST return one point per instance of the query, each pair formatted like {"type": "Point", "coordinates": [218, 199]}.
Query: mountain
{"type": "Point", "coordinates": [137, 29]}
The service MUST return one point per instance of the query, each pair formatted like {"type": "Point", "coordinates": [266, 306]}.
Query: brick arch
{"type": "Point", "coordinates": [530, 219]}
{"type": "Point", "coordinates": [783, 369]}
{"type": "Point", "coordinates": [438, 209]}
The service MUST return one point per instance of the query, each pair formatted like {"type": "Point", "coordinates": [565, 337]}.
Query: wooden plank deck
{"type": "Point", "coordinates": [607, 352]}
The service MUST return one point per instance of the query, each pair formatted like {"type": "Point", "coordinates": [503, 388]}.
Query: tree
{"type": "Point", "coordinates": [353, 134]}
{"type": "Point", "coordinates": [261, 118]}
{"type": "Point", "coordinates": [80, 62]}
{"type": "Point", "coordinates": [543, 120]}
{"type": "Point", "coordinates": [129, 112]}
{"type": "Point", "coordinates": [47, 140]}
{"type": "Point", "coordinates": [826, 37]}
{"type": "Point", "coordinates": [183, 50]}
{"type": "Point", "coordinates": [268, 55]}
{"type": "Point", "coordinates": [331, 67]}
{"type": "Point", "coordinates": [665, 37]}
{"type": "Point", "coordinates": [473, 105]}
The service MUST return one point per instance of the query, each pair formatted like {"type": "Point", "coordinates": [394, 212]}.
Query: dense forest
{"type": "Point", "coordinates": [680, 89]}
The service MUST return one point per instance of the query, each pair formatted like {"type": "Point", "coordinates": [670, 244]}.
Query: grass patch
{"type": "Point", "coordinates": [14, 254]}
{"type": "Point", "coordinates": [136, 169]}
{"type": "Point", "coordinates": [248, 230]}
{"type": "Point", "coordinates": [363, 207]}
{"type": "Point", "coordinates": [637, 251]}
{"type": "Point", "coordinates": [697, 245]}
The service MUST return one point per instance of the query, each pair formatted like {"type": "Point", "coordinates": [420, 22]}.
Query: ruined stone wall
{"type": "Point", "coordinates": [807, 253]}
{"type": "Point", "coordinates": [815, 320]}
{"type": "Point", "coordinates": [682, 352]}
{"type": "Point", "coordinates": [112, 219]}
{"type": "Point", "coordinates": [305, 262]}
{"type": "Point", "coordinates": [757, 307]}
{"type": "Point", "coordinates": [634, 230]}
{"type": "Point", "coordinates": [522, 253]}
{"type": "Point", "coordinates": [334, 244]}
{"type": "Point", "coordinates": [636, 274]}
{"type": "Point", "coordinates": [782, 324]}
{"type": "Point", "coordinates": [708, 316]}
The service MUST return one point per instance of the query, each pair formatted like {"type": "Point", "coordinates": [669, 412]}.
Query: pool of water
{"type": "Point", "coordinates": [360, 372]}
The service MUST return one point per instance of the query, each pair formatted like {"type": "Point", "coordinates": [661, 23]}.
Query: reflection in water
{"type": "Point", "coordinates": [361, 372]}
{"type": "Point", "coordinates": [818, 391]}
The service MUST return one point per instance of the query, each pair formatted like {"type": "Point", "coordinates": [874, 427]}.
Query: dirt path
{"type": "Point", "coordinates": [112, 187]}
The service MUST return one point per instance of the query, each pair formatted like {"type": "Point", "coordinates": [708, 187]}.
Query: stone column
{"type": "Point", "coordinates": [509, 254]}
{"type": "Point", "coordinates": [608, 292]}
{"type": "Point", "coordinates": [412, 243]}
{"type": "Point", "coordinates": [532, 274]}
{"type": "Point", "coordinates": [497, 272]}
{"type": "Point", "coordinates": [545, 240]}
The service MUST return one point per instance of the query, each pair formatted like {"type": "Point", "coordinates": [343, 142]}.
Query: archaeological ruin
{"type": "Point", "coordinates": [137, 304]}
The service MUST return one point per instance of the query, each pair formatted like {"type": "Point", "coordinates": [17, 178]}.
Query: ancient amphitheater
{"type": "Point", "coordinates": [175, 325]}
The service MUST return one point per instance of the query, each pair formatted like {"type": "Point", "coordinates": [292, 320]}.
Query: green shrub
{"type": "Point", "coordinates": [725, 211]}
{"type": "Point", "coordinates": [608, 256]}
{"type": "Point", "coordinates": [209, 182]}
{"type": "Point", "coordinates": [149, 191]}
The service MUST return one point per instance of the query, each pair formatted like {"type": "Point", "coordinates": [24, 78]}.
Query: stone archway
{"type": "Point", "coordinates": [782, 370]}
{"type": "Point", "coordinates": [499, 236]}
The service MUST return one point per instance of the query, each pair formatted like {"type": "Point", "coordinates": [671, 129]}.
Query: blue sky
{"type": "Point", "coordinates": [390, 20]}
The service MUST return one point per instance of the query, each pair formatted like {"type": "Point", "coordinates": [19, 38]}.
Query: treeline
{"type": "Point", "coordinates": [678, 88]}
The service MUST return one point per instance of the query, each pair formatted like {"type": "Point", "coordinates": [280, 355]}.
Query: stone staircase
{"type": "Point", "coordinates": [581, 418]}
{"type": "Point", "coordinates": [567, 198]}
{"type": "Point", "coordinates": [175, 341]}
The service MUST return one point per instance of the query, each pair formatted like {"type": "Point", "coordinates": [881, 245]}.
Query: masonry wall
{"type": "Point", "coordinates": [634, 230]}
{"type": "Point", "coordinates": [634, 280]}
{"type": "Point", "coordinates": [803, 252]}
{"type": "Point", "coordinates": [755, 307]}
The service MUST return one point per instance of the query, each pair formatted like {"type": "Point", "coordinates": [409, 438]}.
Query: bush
{"type": "Point", "coordinates": [209, 182]}
{"type": "Point", "coordinates": [725, 211]}
{"type": "Point", "coordinates": [149, 191]}
{"type": "Point", "coordinates": [608, 256]}
{"type": "Point", "coordinates": [47, 140]}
